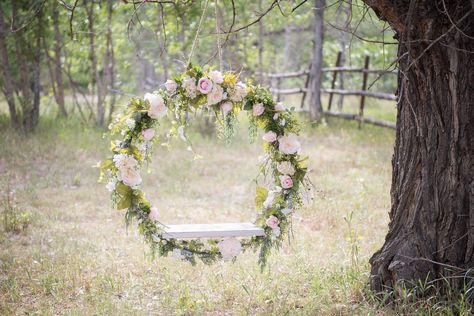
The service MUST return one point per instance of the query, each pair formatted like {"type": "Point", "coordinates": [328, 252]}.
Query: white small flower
{"type": "Point", "coordinates": [229, 248]}
{"type": "Point", "coordinates": [275, 117]}
{"type": "Point", "coordinates": [276, 232]}
{"type": "Point", "coordinates": [269, 200]}
{"type": "Point", "coordinates": [124, 161]}
{"type": "Point", "coordinates": [283, 122]}
{"type": "Point", "coordinates": [111, 184]}
{"type": "Point", "coordinates": [130, 123]}
{"type": "Point", "coordinates": [258, 109]}
{"type": "Point", "coordinates": [285, 167]}
{"type": "Point", "coordinates": [216, 76]}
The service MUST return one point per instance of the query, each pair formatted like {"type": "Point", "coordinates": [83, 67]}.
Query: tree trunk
{"type": "Point", "coordinates": [431, 231]}
{"type": "Point", "coordinates": [110, 60]}
{"type": "Point", "coordinates": [316, 108]}
{"type": "Point", "coordinates": [260, 45]}
{"type": "Point", "coordinates": [29, 126]}
{"type": "Point", "coordinates": [99, 119]}
{"type": "Point", "coordinates": [344, 13]}
{"type": "Point", "coordinates": [58, 75]}
{"type": "Point", "coordinates": [8, 88]}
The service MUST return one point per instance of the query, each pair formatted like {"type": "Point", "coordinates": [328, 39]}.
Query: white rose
{"type": "Point", "coordinates": [171, 85]}
{"type": "Point", "coordinates": [229, 248]}
{"type": "Point", "coordinates": [157, 107]}
{"type": "Point", "coordinates": [153, 215]}
{"type": "Point", "coordinates": [289, 144]}
{"type": "Point", "coordinates": [285, 167]}
{"type": "Point", "coordinates": [215, 96]}
{"type": "Point", "coordinates": [270, 136]}
{"type": "Point", "coordinates": [216, 76]}
{"type": "Point", "coordinates": [130, 177]}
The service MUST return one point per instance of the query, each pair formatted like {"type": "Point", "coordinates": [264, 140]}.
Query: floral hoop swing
{"type": "Point", "coordinates": [213, 91]}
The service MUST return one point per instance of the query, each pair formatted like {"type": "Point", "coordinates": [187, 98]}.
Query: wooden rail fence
{"type": "Point", "coordinates": [276, 79]}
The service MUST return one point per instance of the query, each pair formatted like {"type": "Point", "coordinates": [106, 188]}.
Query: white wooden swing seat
{"type": "Point", "coordinates": [212, 230]}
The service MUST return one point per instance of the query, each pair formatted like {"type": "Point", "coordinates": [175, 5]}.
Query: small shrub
{"type": "Point", "coordinates": [15, 220]}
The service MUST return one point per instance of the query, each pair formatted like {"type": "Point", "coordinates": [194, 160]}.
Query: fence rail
{"type": "Point", "coordinates": [276, 89]}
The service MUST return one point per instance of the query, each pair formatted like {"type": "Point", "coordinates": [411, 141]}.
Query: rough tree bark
{"type": "Point", "coordinates": [432, 214]}
{"type": "Point", "coordinates": [316, 109]}
{"type": "Point", "coordinates": [8, 88]}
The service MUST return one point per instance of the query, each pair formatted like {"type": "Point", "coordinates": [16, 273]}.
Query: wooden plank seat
{"type": "Point", "coordinates": [183, 231]}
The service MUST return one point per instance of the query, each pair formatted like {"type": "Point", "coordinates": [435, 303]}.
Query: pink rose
{"type": "Point", "coordinates": [216, 76]}
{"type": "Point", "coordinates": [279, 107]}
{"type": "Point", "coordinates": [205, 85]}
{"type": "Point", "coordinates": [272, 222]}
{"type": "Point", "coordinates": [226, 107]}
{"type": "Point", "coordinates": [286, 182]}
{"type": "Point", "coordinates": [289, 144]}
{"type": "Point", "coordinates": [216, 95]}
{"type": "Point", "coordinates": [157, 107]}
{"type": "Point", "coordinates": [153, 215]}
{"type": "Point", "coordinates": [148, 134]}
{"type": "Point", "coordinates": [171, 85]}
{"type": "Point", "coordinates": [258, 109]}
{"type": "Point", "coordinates": [270, 136]}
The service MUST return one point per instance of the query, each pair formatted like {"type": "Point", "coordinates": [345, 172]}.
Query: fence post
{"type": "Point", "coordinates": [334, 78]}
{"type": "Point", "coordinates": [364, 86]}
{"type": "Point", "coordinates": [306, 86]}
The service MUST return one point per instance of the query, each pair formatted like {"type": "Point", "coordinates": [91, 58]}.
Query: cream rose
{"type": "Point", "coordinates": [148, 134]}
{"type": "Point", "coordinates": [153, 215]}
{"type": "Point", "coordinates": [258, 109]}
{"type": "Point", "coordinates": [285, 167]}
{"type": "Point", "coordinates": [130, 177]}
{"type": "Point", "coordinates": [216, 76]}
{"type": "Point", "coordinates": [130, 123]}
{"type": "Point", "coordinates": [215, 96]}
{"type": "Point", "coordinates": [204, 85]}
{"type": "Point", "coordinates": [229, 248]}
{"type": "Point", "coordinates": [157, 107]}
{"type": "Point", "coordinates": [272, 222]}
{"type": "Point", "coordinates": [286, 182]}
{"type": "Point", "coordinates": [171, 86]}
{"type": "Point", "coordinates": [226, 107]}
{"type": "Point", "coordinates": [289, 144]}
{"type": "Point", "coordinates": [270, 136]}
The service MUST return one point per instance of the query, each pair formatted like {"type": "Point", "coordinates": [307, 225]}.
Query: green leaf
{"type": "Point", "coordinates": [125, 202]}
{"type": "Point", "coordinates": [106, 164]}
{"type": "Point", "coordinates": [122, 189]}
{"type": "Point", "coordinates": [260, 196]}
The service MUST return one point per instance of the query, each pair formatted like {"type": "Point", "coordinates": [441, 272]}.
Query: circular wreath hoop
{"type": "Point", "coordinates": [210, 90]}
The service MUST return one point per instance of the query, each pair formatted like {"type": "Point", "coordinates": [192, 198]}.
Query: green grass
{"type": "Point", "coordinates": [78, 258]}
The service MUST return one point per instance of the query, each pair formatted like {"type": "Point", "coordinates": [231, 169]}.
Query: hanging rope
{"type": "Point", "coordinates": [197, 32]}
{"type": "Point", "coordinates": [219, 49]}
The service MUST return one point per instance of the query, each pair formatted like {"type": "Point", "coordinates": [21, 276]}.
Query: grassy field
{"type": "Point", "coordinates": [76, 256]}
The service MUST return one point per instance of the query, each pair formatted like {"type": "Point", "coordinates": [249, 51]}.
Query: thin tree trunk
{"type": "Point", "coordinates": [36, 75]}
{"type": "Point", "coordinates": [316, 109]}
{"type": "Point", "coordinates": [260, 45]}
{"type": "Point", "coordinates": [431, 231]}
{"type": "Point", "coordinates": [58, 76]}
{"type": "Point", "coordinates": [95, 71]}
{"type": "Point", "coordinates": [110, 60]}
{"type": "Point", "coordinates": [8, 79]}
{"type": "Point", "coordinates": [344, 14]}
